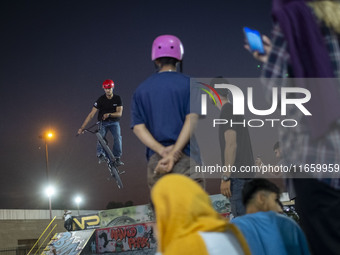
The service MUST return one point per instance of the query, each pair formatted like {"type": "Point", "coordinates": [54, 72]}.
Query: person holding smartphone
{"type": "Point", "coordinates": [259, 45]}
{"type": "Point", "coordinates": [305, 44]}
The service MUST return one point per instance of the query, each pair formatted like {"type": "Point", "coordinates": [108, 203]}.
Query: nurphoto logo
{"type": "Point", "coordinates": [238, 96]}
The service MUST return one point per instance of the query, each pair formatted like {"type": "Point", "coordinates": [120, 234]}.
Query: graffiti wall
{"type": "Point", "coordinates": [130, 238]}
{"type": "Point", "coordinates": [74, 243]}
{"type": "Point", "coordinates": [125, 216]}
{"type": "Point", "coordinates": [143, 213]}
{"type": "Point", "coordinates": [221, 204]}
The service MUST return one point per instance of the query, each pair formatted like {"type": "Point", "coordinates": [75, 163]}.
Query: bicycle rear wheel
{"type": "Point", "coordinates": [115, 174]}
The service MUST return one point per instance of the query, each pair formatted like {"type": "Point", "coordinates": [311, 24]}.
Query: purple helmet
{"type": "Point", "coordinates": [167, 46]}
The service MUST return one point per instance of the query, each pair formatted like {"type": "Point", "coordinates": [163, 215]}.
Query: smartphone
{"type": "Point", "coordinates": [254, 40]}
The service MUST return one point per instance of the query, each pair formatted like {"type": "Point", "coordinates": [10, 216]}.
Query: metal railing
{"type": "Point", "coordinates": [37, 249]}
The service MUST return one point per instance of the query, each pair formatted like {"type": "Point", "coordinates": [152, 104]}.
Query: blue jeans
{"type": "Point", "coordinates": [236, 187]}
{"type": "Point", "coordinates": [114, 128]}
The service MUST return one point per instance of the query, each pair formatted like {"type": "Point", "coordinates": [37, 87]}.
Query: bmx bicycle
{"type": "Point", "coordinates": [109, 157]}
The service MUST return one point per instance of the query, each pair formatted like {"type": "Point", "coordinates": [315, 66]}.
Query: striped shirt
{"type": "Point", "coordinates": [298, 148]}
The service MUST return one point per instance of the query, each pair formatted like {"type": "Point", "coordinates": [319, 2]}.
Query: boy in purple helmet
{"type": "Point", "coordinates": [161, 116]}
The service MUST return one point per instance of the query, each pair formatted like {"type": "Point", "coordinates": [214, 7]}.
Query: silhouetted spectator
{"type": "Point", "coordinates": [68, 220]}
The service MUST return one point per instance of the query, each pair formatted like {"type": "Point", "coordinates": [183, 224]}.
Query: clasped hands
{"type": "Point", "coordinates": [169, 158]}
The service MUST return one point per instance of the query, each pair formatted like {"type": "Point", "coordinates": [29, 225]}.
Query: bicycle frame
{"type": "Point", "coordinates": [111, 160]}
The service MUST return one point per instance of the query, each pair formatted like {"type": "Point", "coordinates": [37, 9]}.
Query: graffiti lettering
{"type": "Point", "coordinates": [123, 233]}
{"type": "Point", "coordinates": [131, 232]}
{"type": "Point", "coordinates": [69, 248]}
{"type": "Point", "coordinates": [125, 238]}
{"type": "Point", "coordinates": [66, 245]}
{"type": "Point", "coordinates": [138, 243]}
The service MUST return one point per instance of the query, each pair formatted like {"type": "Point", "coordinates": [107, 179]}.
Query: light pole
{"type": "Point", "coordinates": [78, 201]}
{"type": "Point", "coordinates": [50, 191]}
{"type": "Point", "coordinates": [48, 135]}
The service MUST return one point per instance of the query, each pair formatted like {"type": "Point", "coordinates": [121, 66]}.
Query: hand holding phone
{"type": "Point", "coordinates": [254, 40]}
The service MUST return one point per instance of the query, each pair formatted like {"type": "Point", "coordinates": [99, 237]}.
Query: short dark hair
{"type": "Point", "coordinates": [276, 146]}
{"type": "Point", "coordinates": [220, 79]}
{"type": "Point", "coordinates": [167, 61]}
{"type": "Point", "coordinates": [256, 185]}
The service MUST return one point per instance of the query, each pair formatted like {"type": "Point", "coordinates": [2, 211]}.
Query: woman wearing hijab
{"type": "Point", "coordinates": [186, 222]}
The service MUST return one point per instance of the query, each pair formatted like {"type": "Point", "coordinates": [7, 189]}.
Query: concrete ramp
{"type": "Point", "coordinates": [74, 243]}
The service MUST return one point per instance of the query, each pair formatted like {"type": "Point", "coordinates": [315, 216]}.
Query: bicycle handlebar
{"type": "Point", "coordinates": [89, 129]}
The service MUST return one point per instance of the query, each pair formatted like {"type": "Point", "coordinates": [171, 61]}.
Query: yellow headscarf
{"type": "Point", "coordinates": [182, 209]}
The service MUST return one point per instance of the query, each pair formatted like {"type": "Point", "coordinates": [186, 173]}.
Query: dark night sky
{"type": "Point", "coordinates": [54, 58]}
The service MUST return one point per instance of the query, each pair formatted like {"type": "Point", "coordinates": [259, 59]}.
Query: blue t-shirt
{"type": "Point", "coordinates": [161, 103]}
{"type": "Point", "coordinates": [270, 233]}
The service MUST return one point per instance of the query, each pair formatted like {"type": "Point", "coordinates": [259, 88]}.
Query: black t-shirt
{"type": "Point", "coordinates": [244, 152]}
{"type": "Point", "coordinates": [105, 105]}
